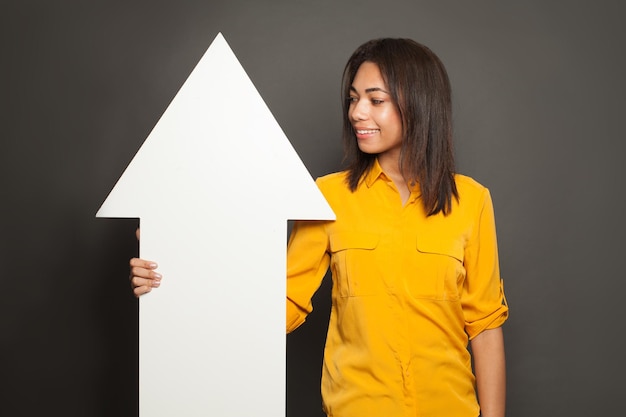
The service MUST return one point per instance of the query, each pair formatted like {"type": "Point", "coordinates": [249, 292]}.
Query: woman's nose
{"type": "Point", "coordinates": [358, 110]}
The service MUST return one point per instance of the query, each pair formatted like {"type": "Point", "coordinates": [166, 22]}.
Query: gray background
{"type": "Point", "coordinates": [539, 104]}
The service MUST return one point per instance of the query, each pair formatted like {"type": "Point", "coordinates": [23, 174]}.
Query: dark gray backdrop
{"type": "Point", "coordinates": [539, 100]}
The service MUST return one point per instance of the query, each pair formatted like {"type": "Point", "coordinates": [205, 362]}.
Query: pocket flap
{"type": "Point", "coordinates": [441, 245]}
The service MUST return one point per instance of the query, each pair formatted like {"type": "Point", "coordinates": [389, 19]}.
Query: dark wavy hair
{"type": "Point", "coordinates": [419, 85]}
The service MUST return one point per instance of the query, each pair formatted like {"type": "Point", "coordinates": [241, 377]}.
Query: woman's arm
{"type": "Point", "coordinates": [489, 367]}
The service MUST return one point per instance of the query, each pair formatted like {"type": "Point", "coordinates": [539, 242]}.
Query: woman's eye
{"type": "Point", "coordinates": [377, 101]}
{"type": "Point", "coordinates": [352, 100]}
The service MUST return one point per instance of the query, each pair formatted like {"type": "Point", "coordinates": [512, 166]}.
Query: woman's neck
{"type": "Point", "coordinates": [391, 168]}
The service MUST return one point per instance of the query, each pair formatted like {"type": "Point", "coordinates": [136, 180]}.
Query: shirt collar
{"type": "Point", "coordinates": [377, 172]}
{"type": "Point", "coordinates": [374, 173]}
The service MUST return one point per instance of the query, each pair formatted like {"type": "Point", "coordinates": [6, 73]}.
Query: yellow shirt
{"type": "Point", "coordinates": [409, 291]}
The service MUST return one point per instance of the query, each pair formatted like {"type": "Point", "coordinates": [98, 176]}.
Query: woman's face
{"type": "Point", "coordinates": [374, 115]}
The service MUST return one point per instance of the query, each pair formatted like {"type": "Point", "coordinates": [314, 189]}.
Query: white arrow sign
{"type": "Point", "coordinates": [214, 184]}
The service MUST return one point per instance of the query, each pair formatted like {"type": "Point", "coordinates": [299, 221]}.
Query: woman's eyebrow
{"type": "Point", "coordinates": [371, 90]}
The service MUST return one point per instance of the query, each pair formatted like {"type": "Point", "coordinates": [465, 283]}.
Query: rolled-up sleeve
{"type": "Point", "coordinates": [484, 304]}
{"type": "Point", "coordinates": [307, 263]}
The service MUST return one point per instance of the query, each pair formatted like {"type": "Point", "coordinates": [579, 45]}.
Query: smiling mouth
{"type": "Point", "coordinates": [366, 131]}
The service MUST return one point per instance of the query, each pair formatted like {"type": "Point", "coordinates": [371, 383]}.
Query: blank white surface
{"type": "Point", "coordinates": [214, 184]}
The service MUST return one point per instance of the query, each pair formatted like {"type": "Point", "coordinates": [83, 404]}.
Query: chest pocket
{"type": "Point", "coordinates": [439, 268]}
{"type": "Point", "coordinates": [353, 263]}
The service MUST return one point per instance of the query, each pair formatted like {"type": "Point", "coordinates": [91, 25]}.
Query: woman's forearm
{"type": "Point", "coordinates": [489, 366]}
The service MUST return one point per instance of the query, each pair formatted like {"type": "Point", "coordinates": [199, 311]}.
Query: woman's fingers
{"type": "Point", "coordinates": [143, 276]}
{"type": "Point", "coordinates": [142, 263]}
{"type": "Point", "coordinates": [143, 269]}
{"type": "Point", "coordinates": [145, 282]}
{"type": "Point", "coordinates": [143, 286]}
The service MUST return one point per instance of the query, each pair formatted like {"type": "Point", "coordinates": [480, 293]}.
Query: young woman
{"type": "Point", "coordinates": [412, 251]}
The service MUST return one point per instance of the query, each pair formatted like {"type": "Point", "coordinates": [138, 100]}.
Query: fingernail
{"type": "Point", "coordinates": [152, 265]}
{"type": "Point", "coordinates": [156, 284]}
{"type": "Point", "coordinates": [157, 276]}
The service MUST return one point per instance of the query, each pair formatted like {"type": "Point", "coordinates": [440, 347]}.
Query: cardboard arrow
{"type": "Point", "coordinates": [213, 185]}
